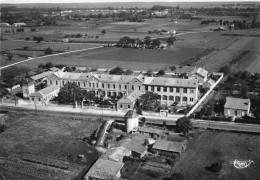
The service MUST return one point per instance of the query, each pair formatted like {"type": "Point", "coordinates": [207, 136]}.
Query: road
{"type": "Point", "coordinates": [51, 55]}
{"type": "Point", "coordinates": [119, 116]}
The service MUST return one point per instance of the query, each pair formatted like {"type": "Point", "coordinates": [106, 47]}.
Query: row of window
{"type": "Point", "coordinates": [168, 89]}
{"type": "Point", "coordinates": [176, 98]}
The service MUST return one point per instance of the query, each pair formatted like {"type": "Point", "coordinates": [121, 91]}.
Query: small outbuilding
{"type": "Point", "coordinates": [168, 147]}
{"type": "Point", "coordinates": [236, 107]}
{"type": "Point", "coordinates": [44, 95]}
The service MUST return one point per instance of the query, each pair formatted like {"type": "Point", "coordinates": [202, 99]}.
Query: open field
{"type": "Point", "coordinates": [46, 137]}
{"type": "Point", "coordinates": [210, 147]}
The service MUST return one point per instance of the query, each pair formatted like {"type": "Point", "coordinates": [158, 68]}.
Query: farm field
{"type": "Point", "coordinates": [51, 137]}
{"type": "Point", "coordinates": [210, 147]}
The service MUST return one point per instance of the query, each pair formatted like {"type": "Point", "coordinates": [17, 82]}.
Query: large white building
{"type": "Point", "coordinates": [183, 91]}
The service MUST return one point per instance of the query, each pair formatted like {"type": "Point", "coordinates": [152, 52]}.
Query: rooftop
{"type": "Point", "coordinates": [169, 146]}
{"type": "Point", "coordinates": [135, 143]}
{"type": "Point", "coordinates": [116, 154]}
{"type": "Point", "coordinates": [201, 72]}
{"type": "Point", "coordinates": [237, 103]}
{"type": "Point", "coordinates": [104, 169]}
{"type": "Point", "coordinates": [131, 98]}
{"type": "Point", "coordinates": [42, 75]}
{"type": "Point", "coordinates": [150, 130]}
{"type": "Point", "coordinates": [45, 91]}
{"type": "Point", "coordinates": [175, 82]}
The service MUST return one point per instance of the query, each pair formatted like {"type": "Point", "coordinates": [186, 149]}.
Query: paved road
{"type": "Point", "coordinates": [51, 55]}
{"type": "Point", "coordinates": [119, 116]}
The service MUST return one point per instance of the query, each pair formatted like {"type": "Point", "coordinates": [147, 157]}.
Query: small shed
{"type": "Point", "coordinates": [168, 147]}
{"type": "Point", "coordinates": [236, 107]}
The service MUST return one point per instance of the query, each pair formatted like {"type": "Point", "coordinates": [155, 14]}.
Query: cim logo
{"type": "Point", "coordinates": [241, 164]}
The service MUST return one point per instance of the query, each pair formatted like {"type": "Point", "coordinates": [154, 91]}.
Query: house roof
{"type": "Point", "coordinates": [73, 76]}
{"type": "Point", "coordinates": [150, 130]}
{"type": "Point", "coordinates": [175, 82]}
{"type": "Point", "coordinates": [168, 146]}
{"type": "Point", "coordinates": [42, 75]}
{"type": "Point", "coordinates": [201, 72]}
{"type": "Point", "coordinates": [130, 98]}
{"type": "Point", "coordinates": [116, 154]}
{"type": "Point", "coordinates": [45, 91]}
{"type": "Point", "coordinates": [104, 169]}
{"type": "Point", "coordinates": [237, 103]}
{"type": "Point", "coordinates": [135, 143]}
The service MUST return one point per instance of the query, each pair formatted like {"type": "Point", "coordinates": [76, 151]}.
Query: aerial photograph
{"type": "Point", "coordinates": [130, 90]}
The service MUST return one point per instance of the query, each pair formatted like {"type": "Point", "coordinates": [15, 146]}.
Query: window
{"type": "Point", "coordinates": [191, 99]}
{"type": "Point", "coordinates": [89, 84]}
{"type": "Point", "coordinates": [103, 86]}
{"type": "Point", "coordinates": [146, 88]}
{"type": "Point", "coordinates": [121, 106]}
{"type": "Point", "coordinates": [171, 89]}
{"type": "Point", "coordinates": [184, 99]}
{"type": "Point", "coordinates": [133, 87]}
{"type": "Point", "coordinates": [192, 91]}
{"type": "Point", "coordinates": [56, 82]}
{"type": "Point", "coordinates": [119, 86]}
{"type": "Point", "coordinates": [39, 99]}
{"type": "Point", "coordinates": [114, 86]}
{"type": "Point", "coordinates": [50, 81]}
{"type": "Point", "coordinates": [164, 97]}
{"type": "Point", "coordinates": [171, 98]}
{"type": "Point", "coordinates": [32, 98]}
{"type": "Point", "coordinates": [63, 82]}
{"type": "Point", "coordinates": [93, 85]}
{"type": "Point", "coordinates": [79, 83]}
{"type": "Point", "coordinates": [152, 88]}
{"type": "Point", "coordinates": [84, 84]}
{"type": "Point", "coordinates": [139, 87]}
{"type": "Point", "coordinates": [125, 86]}
{"type": "Point", "coordinates": [97, 85]}
{"type": "Point", "coordinates": [158, 88]}
{"type": "Point", "coordinates": [177, 90]}
{"type": "Point", "coordinates": [177, 98]}
{"type": "Point", "coordinates": [185, 90]}
{"type": "Point", "coordinates": [128, 106]}
{"type": "Point", "coordinates": [164, 89]}
{"type": "Point", "coordinates": [108, 85]}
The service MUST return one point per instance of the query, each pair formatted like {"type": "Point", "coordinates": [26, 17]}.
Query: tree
{"type": "Point", "coordinates": [183, 125]}
{"type": "Point", "coordinates": [172, 68]}
{"type": "Point", "coordinates": [117, 71]}
{"type": "Point", "coordinates": [70, 93]}
{"type": "Point", "coordinates": [103, 31]}
{"type": "Point", "coordinates": [128, 72]}
{"type": "Point", "coordinates": [3, 93]}
{"type": "Point", "coordinates": [156, 43]}
{"type": "Point", "coordinates": [170, 40]}
{"type": "Point", "coordinates": [161, 73]}
{"type": "Point", "coordinates": [78, 35]}
{"type": "Point", "coordinates": [10, 57]}
{"type": "Point", "coordinates": [38, 38]}
{"type": "Point", "coordinates": [48, 51]}
{"type": "Point", "coordinates": [33, 29]}
{"type": "Point", "coordinates": [225, 70]}
{"type": "Point", "coordinates": [149, 73]}
{"type": "Point", "coordinates": [147, 40]}
{"type": "Point", "coordinates": [48, 65]}
{"type": "Point", "coordinates": [148, 101]}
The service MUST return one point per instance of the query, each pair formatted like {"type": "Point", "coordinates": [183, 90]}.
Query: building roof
{"type": "Point", "coordinates": [174, 82]}
{"type": "Point", "coordinates": [45, 91]}
{"type": "Point", "coordinates": [73, 76]}
{"type": "Point", "coordinates": [237, 103]}
{"type": "Point", "coordinates": [201, 72]}
{"type": "Point", "coordinates": [150, 130]}
{"type": "Point", "coordinates": [135, 143]}
{"type": "Point", "coordinates": [114, 78]}
{"type": "Point", "coordinates": [169, 146]}
{"type": "Point", "coordinates": [116, 154]}
{"type": "Point", "coordinates": [131, 114]}
{"type": "Point", "coordinates": [130, 98]}
{"type": "Point", "coordinates": [104, 169]}
{"type": "Point", "coordinates": [42, 75]}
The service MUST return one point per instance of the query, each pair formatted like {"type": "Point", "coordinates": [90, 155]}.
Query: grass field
{"type": "Point", "coordinates": [45, 136]}
{"type": "Point", "coordinates": [210, 147]}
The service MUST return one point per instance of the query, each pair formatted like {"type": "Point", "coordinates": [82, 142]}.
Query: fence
{"type": "Point", "coordinates": [205, 95]}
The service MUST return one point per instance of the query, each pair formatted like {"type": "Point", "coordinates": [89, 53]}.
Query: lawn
{"type": "Point", "coordinates": [47, 136]}
{"type": "Point", "coordinates": [210, 147]}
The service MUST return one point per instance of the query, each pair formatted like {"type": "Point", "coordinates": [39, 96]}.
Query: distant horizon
{"type": "Point", "coordinates": [119, 1]}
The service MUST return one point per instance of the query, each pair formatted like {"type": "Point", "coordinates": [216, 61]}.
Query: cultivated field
{"type": "Point", "coordinates": [210, 147]}
{"type": "Point", "coordinates": [52, 137]}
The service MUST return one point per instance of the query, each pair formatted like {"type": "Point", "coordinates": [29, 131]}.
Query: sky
{"type": "Point", "coordinates": [97, 1]}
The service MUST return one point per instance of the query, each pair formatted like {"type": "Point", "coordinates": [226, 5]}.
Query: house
{"type": "Point", "coordinates": [4, 24]}
{"type": "Point", "coordinates": [41, 77]}
{"type": "Point", "coordinates": [104, 169]}
{"type": "Point", "coordinates": [200, 74]}
{"type": "Point", "coordinates": [149, 132]}
{"type": "Point", "coordinates": [28, 88]}
{"type": "Point", "coordinates": [236, 107]}
{"type": "Point", "coordinates": [168, 147]}
{"type": "Point", "coordinates": [44, 95]}
{"type": "Point", "coordinates": [19, 24]}
{"type": "Point", "coordinates": [136, 144]}
{"type": "Point", "coordinates": [208, 84]}
{"type": "Point", "coordinates": [116, 154]}
{"type": "Point", "coordinates": [128, 101]}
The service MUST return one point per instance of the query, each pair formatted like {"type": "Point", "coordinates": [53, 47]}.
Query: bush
{"type": "Point", "coordinates": [215, 167]}
{"type": "Point", "coordinates": [10, 57]}
{"type": "Point", "coordinates": [2, 128]}
{"type": "Point", "coordinates": [48, 51]}
{"type": "Point", "coordinates": [27, 39]}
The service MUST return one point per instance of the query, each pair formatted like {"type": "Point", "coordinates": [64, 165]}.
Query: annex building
{"type": "Point", "coordinates": [183, 91]}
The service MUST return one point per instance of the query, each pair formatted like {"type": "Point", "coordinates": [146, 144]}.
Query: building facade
{"type": "Point", "coordinates": [236, 107]}
{"type": "Point", "coordinates": [183, 91]}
